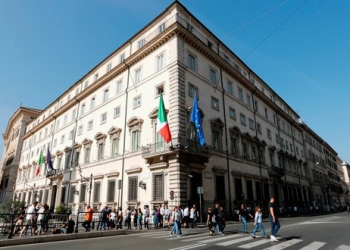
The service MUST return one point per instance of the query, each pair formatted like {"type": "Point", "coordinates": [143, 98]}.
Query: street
{"type": "Point", "coordinates": [323, 232]}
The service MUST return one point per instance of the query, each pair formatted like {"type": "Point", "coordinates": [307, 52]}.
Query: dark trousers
{"type": "Point", "coordinates": [87, 225]}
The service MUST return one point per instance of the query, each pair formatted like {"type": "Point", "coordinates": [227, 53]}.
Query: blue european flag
{"type": "Point", "coordinates": [196, 118]}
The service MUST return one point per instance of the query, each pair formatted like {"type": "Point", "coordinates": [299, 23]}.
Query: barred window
{"type": "Point", "coordinates": [71, 194]}
{"type": "Point", "coordinates": [132, 189]}
{"type": "Point", "coordinates": [63, 195]}
{"type": "Point", "coordinates": [111, 190]}
{"type": "Point", "coordinates": [158, 187]}
{"type": "Point", "coordinates": [97, 188]}
{"type": "Point", "coordinates": [82, 193]}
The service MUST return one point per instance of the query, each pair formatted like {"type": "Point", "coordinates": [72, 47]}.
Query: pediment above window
{"type": "Point", "coordinates": [100, 136]}
{"type": "Point", "coordinates": [189, 109]}
{"type": "Point", "coordinates": [114, 131]}
{"type": "Point", "coordinates": [77, 145]}
{"type": "Point", "coordinates": [59, 152]}
{"type": "Point", "coordinates": [234, 131]}
{"type": "Point", "coordinates": [154, 113]}
{"type": "Point", "coordinates": [67, 149]}
{"type": "Point", "coordinates": [217, 124]}
{"type": "Point", "coordinates": [134, 121]}
{"type": "Point", "coordinates": [86, 141]}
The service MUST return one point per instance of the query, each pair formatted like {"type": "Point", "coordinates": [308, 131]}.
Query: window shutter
{"type": "Point", "coordinates": [110, 190]}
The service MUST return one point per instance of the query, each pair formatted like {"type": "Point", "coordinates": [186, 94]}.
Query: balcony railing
{"type": "Point", "coordinates": [177, 144]}
{"type": "Point", "coordinates": [276, 171]}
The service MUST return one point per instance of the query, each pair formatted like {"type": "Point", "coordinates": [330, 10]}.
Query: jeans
{"type": "Point", "coordinates": [244, 225]}
{"type": "Point", "coordinates": [259, 224]}
{"type": "Point", "coordinates": [176, 228]}
{"type": "Point", "coordinates": [275, 226]}
{"type": "Point", "coordinates": [218, 226]}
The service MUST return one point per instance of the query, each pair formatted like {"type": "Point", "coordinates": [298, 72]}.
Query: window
{"type": "Point", "coordinates": [62, 139]}
{"type": "Point", "coordinates": [161, 27]}
{"type": "Point", "coordinates": [63, 195]}
{"type": "Point", "coordinates": [132, 184]}
{"type": "Point", "coordinates": [111, 190]}
{"type": "Point", "coordinates": [234, 146]}
{"type": "Point", "coordinates": [105, 95]}
{"type": "Point", "coordinates": [67, 160]}
{"type": "Point", "coordinates": [189, 27]}
{"type": "Point", "coordinates": [103, 118]}
{"type": "Point", "coordinates": [266, 114]}
{"type": "Point", "coordinates": [158, 187]}
{"type": "Point", "coordinates": [90, 125]}
{"type": "Point", "coordinates": [248, 101]}
{"type": "Point", "coordinates": [122, 57]}
{"type": "Point", "coordinates": [95, 77]}
{"type": "Point", "coordinates": [213, 76]}
{"type": "Point", "coordinates": [100, 152]}
{"type": "Point", "coordinates": [97, 191]}
{"type": "Point", "coordinates": [256, 105]}
{"type": "Point", "coordinates": [251, 124]}
{"type": "Point", "coordinates": [116, 112]}
{"type": "Point", "coordinates": [230, 88]}
{"type": "Point", "coordinates": [217, 144]}
{"type": "Point", "coordinates": [141, 43]}
{"type": "Point", "coordinates": [259, 128]}
{"type": "Point", "coordinates": [74, 112]}
{"type": "Point", "coordinates": [71, 133]}
{"type": "Point", "coordinates": [82, 111]}
{"type": "Point", "coordinates": [242, 116]}
{"type": "Point", "coordinates": [160, 62]}
{"type": "Point", "coordinates": [232, 113]}
{"type": "Point", "coordinates": [192, 62]}
{"type": "Point", "coordinates": [138, 76]}
{"type": "Point", "coordinates": [57, 126]}
{"type": "Point", "coordinates": [245, 150]}
{"type": "Point", "coordinates": [65, 119]}
{"type": "Point", "coordinates": [240, 94]}
{"type": "Point", "coordinates": [87, 155]}
{"type": "Point", "coordinates": [214, 103]}
{"type": "Point", "coordinates": [82, 193]}
{"type": "Point", "coordinates": [269, 134]}
{"type": "Point", "coordinates": [137, 101]}
{"type": "Point", "coordinates": [220, 188]}
{"type": "Point", "coordinates": [109, 66]}
{"type": "Point", "coordinates": [192, 90]}
{"type": "Point", "coordinates": [80, 129]}
{"type": "Point", "coordinates": [135, 140]}
{"type": "Point", "coordinates": [159, 90]}
{"type": "Point", "coordinates": [86, 84]}
{"type": "Point", "coordinates": [54, 143]}
{"type": "Point", "coordinates": [277, 139]}
{"type": "Point", "coordinates": [119, 87]}
{"type": "Point", "coordinates": [92, 103]}
{"type": "Point", "coordinates": [115, 146]}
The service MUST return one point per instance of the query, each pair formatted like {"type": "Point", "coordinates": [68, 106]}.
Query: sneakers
{"type": "Point", "coordinates": [253, 236]}
{"type": "Point", "coordinates": [273, 238]}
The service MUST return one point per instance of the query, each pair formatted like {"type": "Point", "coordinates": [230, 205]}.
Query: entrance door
{"type": "Point", "coordinates": [53, 198]}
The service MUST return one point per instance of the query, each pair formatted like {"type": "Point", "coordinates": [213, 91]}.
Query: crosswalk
{"type": "Point", "coordinates": [241, 241]}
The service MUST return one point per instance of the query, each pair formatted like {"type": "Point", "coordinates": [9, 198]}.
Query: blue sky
{"type": "Point", "coordinates": [301, 48]}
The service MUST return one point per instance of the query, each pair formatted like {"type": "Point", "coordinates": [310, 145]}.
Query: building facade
{"type": "Point", "coordinates": [101, 133]}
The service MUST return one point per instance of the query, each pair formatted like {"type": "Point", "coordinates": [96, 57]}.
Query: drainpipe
{"type": "Point", "coordinates": [124, 140]}
{"type": "Point", "coordinates": [226, 143]}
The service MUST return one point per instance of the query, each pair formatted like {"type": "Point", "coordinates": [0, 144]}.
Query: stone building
{"type": "Point", "coordinates": [102, 138]}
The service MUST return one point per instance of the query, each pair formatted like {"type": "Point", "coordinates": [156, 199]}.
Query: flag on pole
{"type": "Point", "coordinates": [48, 160]}
{"type": "Point", "coordinates": [40, 161]}
{"type": "Point", "coordinates": [162, 123]}
{"type": "Point", "coordinates": [196, 118]}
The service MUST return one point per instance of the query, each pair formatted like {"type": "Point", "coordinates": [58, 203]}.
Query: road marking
{"type": "Point", "coordinates": [255, 243]}
{"type": "Point", "coordinates": [197, 238]}
{"type": "Point", "coordinates": [284, 244]}
{"type": "Point", "coordinates": [188, 247]}
{"type": "Point", "coordinates": [314, 245]}
{"type": "Point", "coordinates": [186, 236]}
{"type": "Point", "coordinates": [219, 238]}
{"type": "Point", "coordinates": [343, 247]}
{"type": "Point", "coordinates": [230, 242]}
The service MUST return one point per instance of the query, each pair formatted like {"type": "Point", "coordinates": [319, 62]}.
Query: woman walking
{"type": "Point", "coordinates": [211, 221]}
{"type": "Point", "coordinates": [258, 223]}
{"type": "Point", "coordinates": [244, 214]}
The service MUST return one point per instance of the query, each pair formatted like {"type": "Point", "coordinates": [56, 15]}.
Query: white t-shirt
{"type": "Point", "coordinates": [30, 212]}
{"type": "Point", "coordinates": [112, 216]}
{"type": "Point", "coordinates": [41, 213]}
{"type": "Point", "coordinates": [186, 212]}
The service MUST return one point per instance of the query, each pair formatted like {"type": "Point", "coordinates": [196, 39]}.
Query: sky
{"type": "Point", "coordinates": [300, 48]}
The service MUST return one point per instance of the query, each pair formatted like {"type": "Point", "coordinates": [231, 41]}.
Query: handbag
{"type": "Point", "coordinates": [213, 219]}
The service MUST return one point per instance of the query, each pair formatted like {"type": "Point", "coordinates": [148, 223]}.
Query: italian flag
{"type": "Point", "coordinates": [40, 161]}
{"type": "Point", "coordinates": [162, 123]}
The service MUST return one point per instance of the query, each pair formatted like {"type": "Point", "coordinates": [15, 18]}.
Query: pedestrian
{"type": "Point", "coordinates": [120, 218]}
{"type": "Point", "coordinates": [243, 212]}
{"type": "Point", "coordinates": [222, 217]}
{"type": "Point", "coordinates": [135, 217]}
{"type": "Point", "coordinates": [112, 218]}
{"type": "Point", "coordinates": [19, 220]}
{"type": "Point", "coordinates": [139, 219]}
{"type": "Point", "coordinates": [68, 228]}
{"type": "Point", "coordinates": [258, 223]}
{"type": "Point", "coordinates": [217, 218]}
{"type": "Point", "coordinates": [40, 220]}
{"type": "Point", "coordinates": [128, 217]}
{"type": "Point", "coordinates": [193, 216]}
{"type": "Point", "coordinates": [161, 216]}
{"type": "Point", "coordinates": [155, 214]}
{"type": "Point", "coordinates": [88, 218]}
{"type": "Point", "coordinates": [211, 222]}
{"type": "Point", "coordinates": [176, 222]}
{"type": "Point", "coordinates": [275, 224]}
{"type": "Point", "coordinates": [146, 217]}
{"type": "Point", "coordinates": [167, 215]}
{"type": "Point", "coordinates": [186, 216]}
{"type": "Point", "coordinates": [30, 220]}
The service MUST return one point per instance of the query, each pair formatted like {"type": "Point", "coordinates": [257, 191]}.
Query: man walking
{"type": "Point", "coordinates": [275, 224]}
{"type": "Point", "coordinates": [88, 218]}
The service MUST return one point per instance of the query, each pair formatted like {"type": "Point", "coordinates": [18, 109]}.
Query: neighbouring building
{"type": "Point", "coordinates": [102, 136]}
